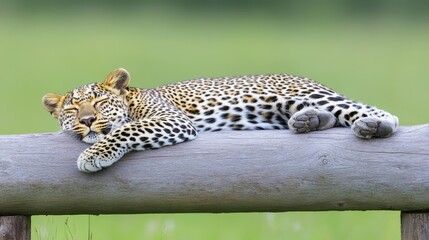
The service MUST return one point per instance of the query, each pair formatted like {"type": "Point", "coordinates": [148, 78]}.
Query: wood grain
{"type": "Point", "coordinates": [15, 227]}
{"type": "Point", "coordinates": [415, 225]}
{"type": "Point", "coordinates": [230, 171]}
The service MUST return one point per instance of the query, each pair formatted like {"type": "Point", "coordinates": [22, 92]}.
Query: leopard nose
{"type": "Point", "coordinates": [87, 121]}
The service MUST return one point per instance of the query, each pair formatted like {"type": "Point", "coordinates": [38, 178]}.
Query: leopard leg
{"type": "Point", "coordinates": [144, 134]}
{"type": "Point", "coordinates": [311, 119]}
{"type": "Point", "coordinates": [100, 155]}
{"type": "Point", "coordinates": [368, 127]}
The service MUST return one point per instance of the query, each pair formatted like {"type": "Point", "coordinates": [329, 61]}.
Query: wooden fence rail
{"type": "Point", "coordinates": [230, 171]}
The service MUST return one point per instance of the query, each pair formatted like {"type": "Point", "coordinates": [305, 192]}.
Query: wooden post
{"type": "Point", "coordinates": [414, 225]}
{"type": "Point", "coordinates": [15, 227]}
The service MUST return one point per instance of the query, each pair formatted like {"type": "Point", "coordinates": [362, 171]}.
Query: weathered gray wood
{"type": "Point", "coordinates": [414, 225]}
{"type": "Point", "coordinates": [228, 171]}
{"type": "Point", "coordinates": [15, 227]}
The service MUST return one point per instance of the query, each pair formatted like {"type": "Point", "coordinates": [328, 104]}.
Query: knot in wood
{"type": "Point", "coordinates": [325, 159]}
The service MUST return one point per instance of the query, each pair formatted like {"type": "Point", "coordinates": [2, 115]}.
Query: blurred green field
{"type": "Point", "coordinates": [304, 225]}
{"type": "Point", "coordinates": [382, 62]}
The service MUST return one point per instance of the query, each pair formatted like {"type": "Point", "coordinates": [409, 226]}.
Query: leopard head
{"type": "Point", "coordinates": [92, 111]}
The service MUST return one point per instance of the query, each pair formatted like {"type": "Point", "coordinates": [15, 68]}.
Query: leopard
{"type": "Point", "coordinates": [117, 119]}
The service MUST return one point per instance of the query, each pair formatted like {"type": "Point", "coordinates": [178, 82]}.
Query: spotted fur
{"type": "Point", "coordinates": [119, 119]}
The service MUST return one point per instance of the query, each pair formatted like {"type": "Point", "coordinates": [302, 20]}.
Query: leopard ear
{"type": "Point", "coordinates": [53, 103]}
{"type": "Point", "coordinates": [118, 79]}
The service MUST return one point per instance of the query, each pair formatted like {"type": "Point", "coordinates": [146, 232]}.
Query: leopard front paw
{"type": "Point", "coordinates": [89, 161]}
{"type": "Point", "coordinates": [92, 160]}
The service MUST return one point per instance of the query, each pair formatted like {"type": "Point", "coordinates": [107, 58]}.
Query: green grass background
{"type": "Point", "coordinates": [380, 61]}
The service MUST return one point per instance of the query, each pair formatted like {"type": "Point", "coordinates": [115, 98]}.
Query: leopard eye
{"type": "Point", "coordinates": [70, 109]}
{"type": "Point", "coordinates": [100, 102]}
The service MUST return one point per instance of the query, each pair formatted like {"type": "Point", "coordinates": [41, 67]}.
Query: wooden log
{"type": "Point", "coordinates": [414, 225]}
{"type": "Point", "coordinates": [15, 227]}
{"type": "Point", "coordinates": [230, 171]}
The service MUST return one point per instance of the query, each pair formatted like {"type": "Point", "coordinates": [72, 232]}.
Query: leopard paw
{"type": "Point", "coordinates": [89, 161]}
{"type": "Point", "coordinates": [92, 160]}
{"type": "Point", "coordinates": [308, 120]}
{"type": "Point", "coordinates": [369, 127]}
